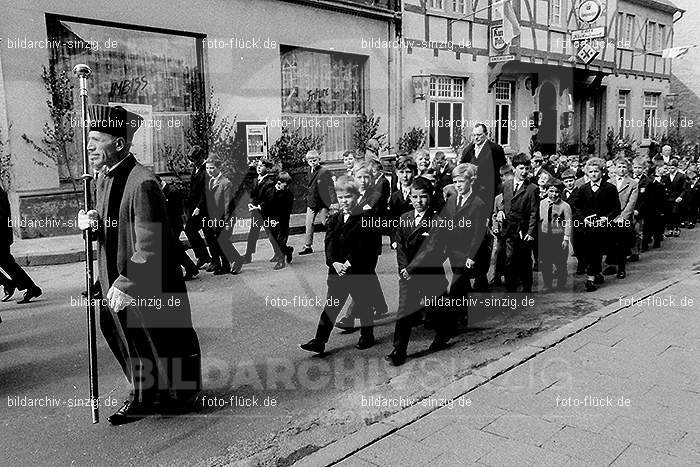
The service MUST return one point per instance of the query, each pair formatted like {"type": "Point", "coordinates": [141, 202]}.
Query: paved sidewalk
{"type": "Point", "coordinates": [621, 386]}
{"type": "Point", "coordinates": [70, 248]}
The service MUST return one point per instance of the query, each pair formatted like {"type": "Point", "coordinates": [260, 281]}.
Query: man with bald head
{"type": "Point", "coordinates": [145, 316]}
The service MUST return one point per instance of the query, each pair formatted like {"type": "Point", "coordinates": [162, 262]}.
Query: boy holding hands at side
{"type": "Point", "coordinates": [350, 267]}
{"type": "Point", "coordinates": [555, 234]}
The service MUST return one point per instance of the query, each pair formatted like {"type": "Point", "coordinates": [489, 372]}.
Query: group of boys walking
{"type": "Point", "coordinates": [512, 210]}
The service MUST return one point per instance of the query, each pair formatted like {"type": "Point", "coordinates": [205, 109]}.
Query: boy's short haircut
{"type": "Point", "coordinates": [555, 183]}
{"type": "Point", "coordinates": [658, 157]}
{"type": "Point", "coordinates": [521, 159]}
{"type": "Point", "coordinates": [641, 161]}
{"type": "Point", "coordinates": [440, 154]}
{"type": "Point", "coordinates": [348, 185]}
{"type": "Point", "coordinates": [568, 173]}
{"type": "Point", "coordinates": [362, 167]}
{"type": "Point", "coordinates": [673, 161]}
{"type": "Point", "coordinates": [595, 162]}
{"type": "Point", "coordinates": [284, 177]}
{"type": "Point", "coordinates": [465, 169]}
{"type": "Point", "coordinates": [269, 164]}
{"type": "Point", "coordinates": [347, 153]}
{"type": "Point", "coordinates": [422, 184]}
{"type": "Point", "coordinates": [406, 162]}
{"type": "Point", "coordinates": [313, 154]}
{"type": "Point", "coordinates": [622, 160]}
{"type": "Point", "coordinates": [213, 161]}
{"type": "Point", "coordinates": [421, 152]}
{"type": "Point", "coordinates": [505, 169]}
{"type": "Point", "coordinates": [375, 163]}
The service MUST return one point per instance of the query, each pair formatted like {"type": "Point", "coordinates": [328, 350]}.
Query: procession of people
{"type": "Point", "coordinates": [485, 223]}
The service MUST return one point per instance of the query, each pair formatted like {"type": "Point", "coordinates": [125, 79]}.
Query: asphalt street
{"type": "Point", "coordinates": [264, 400]}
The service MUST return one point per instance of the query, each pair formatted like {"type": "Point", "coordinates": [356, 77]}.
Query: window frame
{"type": "Point", "coordinates": [623, 110]}
{"type": "Point", "coordinates": [649, 131]}
{"type": "Point", "coordinates": [500, 104]}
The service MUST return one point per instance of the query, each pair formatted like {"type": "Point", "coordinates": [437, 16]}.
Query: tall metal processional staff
{"type": "Point", "coordinates": [83, 73]}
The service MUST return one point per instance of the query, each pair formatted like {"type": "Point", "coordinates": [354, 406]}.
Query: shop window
{"type": "Point", "coordinates": [154, 74]}
{"type": "Point", "coordinates": [651, 108]}
{"type": "Point", "coordinates": [504, 102]}
{"type": "Point", "coordinates": [446, 106]}
{"type": "Point", "coordinates": [315, 82]}
{"type": "Point", "coordinates": [623, 111]}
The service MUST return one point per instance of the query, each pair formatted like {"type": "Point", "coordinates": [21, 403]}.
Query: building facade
{"type": "Point", "coordinates": [578, 69]}
{"type": "Point", "coordinates": [269, 63]}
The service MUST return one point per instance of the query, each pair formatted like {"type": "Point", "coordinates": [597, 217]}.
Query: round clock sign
{"type": "Point", "coordinates": [589, 11]}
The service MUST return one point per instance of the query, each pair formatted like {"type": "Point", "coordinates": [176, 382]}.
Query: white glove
{"type": "Point", "coordinates": [88, 219]}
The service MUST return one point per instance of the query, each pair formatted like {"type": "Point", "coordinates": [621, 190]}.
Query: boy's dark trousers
{"type": "Point", "coordinates": [192, 228]}
{"type": "Point", "coordinates": [411, 292]}
{"type": "Point", "coordinates": [578, 239]}
{"type": "Point", "coordinates": [653, 230]}
{"type": "Point", "coordinates": [518, 264]}
{"type": "Point", "coordinates": [553, 255]}
{"type": "Point", "coordinates": [223, 252]}
{"type": "Point", "coordinates": [339, 289]}
{"type": "Point", "coordinates": [257, 222]}
{"type": "Point", "coordinates": [593, 242]}
{"type": "Point", "coordinates": [500, 246]}
{"type": "Point", "coordinates": [279, 235]}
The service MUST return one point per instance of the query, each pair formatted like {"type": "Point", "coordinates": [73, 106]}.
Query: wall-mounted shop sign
{"type": "Point", "coordinates": [588, 34]}
{"type": "Point", "coordinates": [589, 11]}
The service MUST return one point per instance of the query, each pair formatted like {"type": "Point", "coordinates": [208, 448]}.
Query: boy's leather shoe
{"type": "Point", "coordinates": [313, 346]}
{"type": "Point", "coordinates": [590, 287]}
{"type": "Point", "coordinates": [365, 343]}
{"type": "Point", "coordinates": [396, 358]}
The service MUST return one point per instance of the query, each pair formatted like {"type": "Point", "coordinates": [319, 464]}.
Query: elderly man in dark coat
{"type": "Point", "coordinates": [145, 318]}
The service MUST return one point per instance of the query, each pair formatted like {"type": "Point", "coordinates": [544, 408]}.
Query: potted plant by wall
{"type": "Point", "coordinates": [58, 142]}
{"type": "Point", "coordinates": [366, 129]}
{"type": "Point", "coordinates": [412, 140]}
{"type": "Point", "coordinates": [289, 154]}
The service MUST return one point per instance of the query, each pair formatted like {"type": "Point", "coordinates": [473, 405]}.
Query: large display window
{"type": "Point", "coordinates": [154, 73]}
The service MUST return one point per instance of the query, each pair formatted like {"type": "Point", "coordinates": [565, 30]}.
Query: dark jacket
{"type": "Point", "coordinates": [280, 206]}
{"type": "Point", "coordinates": [464, 235]}
{"type": "Point", "coordinates": [348, 241]}
{"type": "Point", "coordinates": [489, 162]}
{"type": "Point", "coordinates": [674, 188]}
{"type": "Point", "coordinates": [320, 192]}
{"type": "Point", "coordinates": [219, 200]}
{"type": "Point", "coordinates": [521, 209]}
{"type": "Point", "coordinates": [397, 206]}
{"type": "Point", "coordinates": [569, 197]}
{"type": "Point", "coordinates": [603, 203]}
{"type": "Point", "coordinates": [261, 193]}
{"type": "Point", "coordinates": [174, 205]}
{"type": "Point", "coordinates": [196, 190]}
{"type": "Point", "coordinates": [136, 248]}
{"type": "Point", "coordinates": [411, 239]}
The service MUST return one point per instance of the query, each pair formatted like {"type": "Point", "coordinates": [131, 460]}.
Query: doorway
{"type": "Point", "coordinates": [547, 135]}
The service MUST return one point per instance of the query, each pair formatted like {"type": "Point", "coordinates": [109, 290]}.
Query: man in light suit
{"type": "Point", "coordinates": [489, 157]}
{"type": "Point", "coordinates": [628, 193]}
{"type": "Point", "coordinates": [521, 203]}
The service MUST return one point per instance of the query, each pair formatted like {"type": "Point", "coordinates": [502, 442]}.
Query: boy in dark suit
{"type": "Point", "coordinates": [641, 209]}
{"type": "Point", "coordinates": [443, 171]}
{"type": "Point", "coordinates": [466, 215]}
{"type": "Point", "coordinates": [174, 204]}
{"type": "Point", "coordinates": [519, 215]}
{"type": "Point", "coordinates": [595, 206]}
{"type": "Point", "coordinates": [260, 195]}
{"type": "Point", "coordinates": [691, 198]}
{"type": "Point", "coordinates": [219, 217]}
{"type": "Point", "coordinates": [417, 282]}
{"type": "Point", "coordinates": [499, 250]}
{"type": "Point", "coordinates": [555, 233]}
{"type": "Point", "coordinates": [279, 212]}
{"type": "Point", "coordinates": [658, 194]}
{"type": "Point", "coordinates": [350, 267]}
{"type": "Point", "coordinates": [570, 189]}
{"type": "Point", "coordinates": [194, 198]}
{"type": "Point", "coordinates": [400, 200]}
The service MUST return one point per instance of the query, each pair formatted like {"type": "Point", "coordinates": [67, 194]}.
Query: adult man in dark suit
{"type": "Point", "coordinates": [320, 196]}
{"type": "Point", "coordinates": [192, 202]}
{"type": "Point", "coordinates": [260, 195]}
{"type": "Point", "coordinates": [489, 157]}
{"type": "Point", "coordinates": [595, 206]}
{"type": "Point", "coordinates": [219, 219]}
{"type": "Point", "coordinates": [521, 203]}
{"type": "Point", "coordinates": [147, 322]}
{"type": "Point", "coordinates": [18, 279]}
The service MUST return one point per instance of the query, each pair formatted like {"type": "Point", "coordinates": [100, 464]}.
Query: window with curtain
{"type": "Point", "coordinates": [504, 102]}
{"type": "Point", "coordinates": [446, 109]}
{"type": "Point", "coordinates": [651, 109]}
{"type": "Point", "coordinates": [316, 82]}
{"type": "Point", "coordinates": [623, 110]}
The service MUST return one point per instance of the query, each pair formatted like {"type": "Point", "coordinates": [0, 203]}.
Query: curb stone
{"type": "Point", "coordinates": [344, 448]}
